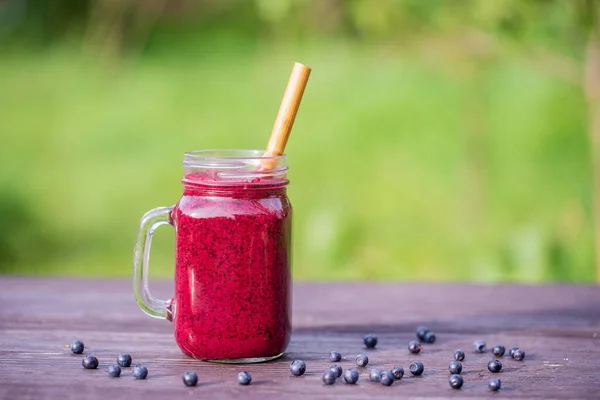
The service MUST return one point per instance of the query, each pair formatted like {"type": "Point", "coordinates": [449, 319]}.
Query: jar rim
{"type": "Point", "coordinates": [224, 167]}
{"type": "Point", "coordinates": [196, 157]}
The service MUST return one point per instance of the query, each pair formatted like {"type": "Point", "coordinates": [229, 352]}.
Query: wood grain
{"type": "Point", "coordinates": [287, 113]}
{"type": "Point", "coordinates": [557, 325]}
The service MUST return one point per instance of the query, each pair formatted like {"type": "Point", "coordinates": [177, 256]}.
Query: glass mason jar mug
{"type": "Point", "coordinates": [232, 261]}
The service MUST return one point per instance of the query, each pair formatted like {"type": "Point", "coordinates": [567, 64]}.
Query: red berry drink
{"type": "Point", "coordinates": [232, 299]}
{"type": "Point", "coordinates": [232, 270]}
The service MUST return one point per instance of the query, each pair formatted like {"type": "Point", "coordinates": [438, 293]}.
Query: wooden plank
{"type": "Point", "coordinates": [557, 325]}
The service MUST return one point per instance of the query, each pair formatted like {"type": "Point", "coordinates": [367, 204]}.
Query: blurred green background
{"type": "Point", "coordinates": [437, 140]}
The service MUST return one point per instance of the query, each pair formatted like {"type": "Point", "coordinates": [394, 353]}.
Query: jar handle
{"type": "Point", "coordinates": [141, 254]}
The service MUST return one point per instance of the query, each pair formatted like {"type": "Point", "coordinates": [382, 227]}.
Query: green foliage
{"type": "Point", "coordinates": [438, 140]}
{"type": "Point", "coordinates": [559, 22]}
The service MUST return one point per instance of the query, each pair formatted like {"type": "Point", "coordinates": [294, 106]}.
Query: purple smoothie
{"type": "Point", "coordinates": [232, 271]}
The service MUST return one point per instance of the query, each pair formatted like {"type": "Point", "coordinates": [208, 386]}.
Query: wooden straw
{"type": "Point", "coordinates": [287, 114]}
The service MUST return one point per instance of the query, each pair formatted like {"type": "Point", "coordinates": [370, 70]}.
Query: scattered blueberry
{"type": "Point", "coordinates": [455, 367]}
{"type": "Point", "coordinates": [494, 384]}
{"type": "Point", "coordinates": [139, 372]}
{"type": "Point", "coordinates": [416, 368]}
{"type": "Point", "coordinates": [455, 381]}
{"type": "Point", "coordinates": [124, 360]}
{"type": "Point", "coordinates": [498, 350]}
{"type": "Point", "coordinates": [519, 355]}
{"type": "Point", "coordinates": [190, 378]}
{"type": "Point", "coordinates": [329, 377]}
{"type": "Point", "coordinates": [386, 378]}
{"type": "Point", "coordinates": [334, 356]}
{"type": "Point", "coordinates": [351, 375]}
{"type": "Point", "coordinates": [337, 370]}
{"type": "Point", "coordinates": [429, 337]}
{"type": "Point", "coordinates": [459, 355]}
{"type": "Point", "coordinates": [370, 341]}
{"type": "Point", "coordinates": [421, 331]}
{"type": "Point", "coordinates": [362, 360]}
{"type": "Point", "coordinates": [375, 375]}
{"type": "Point", "coordinates": [90, 362]}
{"type": "Point", "coordinates": [244, 378]}
{"type": "Point", "coordinates": [479, 346]}
{"type": "Point", "coordinates": [414, 347]}
{"type": "Point", "coordinates": [494, 366]}
{"type": "Point", "coordinates": [511, 352]}
{"type": "Point", "coordinates": [297, 367]}
{"type": "Point", "coordinates": [114, 371]}
{"type": "Point", "coordinates": [398, 372]}
{"type": "Point", "coordinates": [77, 347]}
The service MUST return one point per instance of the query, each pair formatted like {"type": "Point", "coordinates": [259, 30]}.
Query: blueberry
{"type": "Point", "coordinates": [421, 331]}
{"type": "Point", "coordinates": [124, 360]}
{"type": "Point", "coordinates": [375, 375]}
{"type": "Point", "coordinates": [334, 356]}
{"type": "Point", "coordinates": [244, 378]}
{"type": "Point", "coordinates": [414, 347]}
{"type": "Point", "coordinates": [114, 371]}
{"type": "Point", "coordinates": [329, 377]}
{"type": "Point", "coordinates": [511, 352]}
{"type": "Point", "coordinates": [370, 341]}
{"type": "Point", "coordinates": [494, 384]}
{"type": "Point", "coordinates": [190, 378]}
{"type": "Point", "coordinates": [337, 370]}
{"type": "Point", "coordinates": [519, 355]}
{"type": "Point", "coordinates": [416, 368]}
{"type": "Point", "coordinates": [455, 367]}
{"type": "Point", "coordinates": [297, 367]}
{"type": "Point", "coordinates": [479, 346]}
{"type": "Point", "coordinates": [139, 372]}
{"type": "Point", "coordinates": [429, 337]}
{"type": "Point", "coordinates": [77, 347]}
{"type": "Point", "coordinates": [459, 355]}
{"type": "Point", "coordinates": [90, 362]}
{"type": "Point", "coordinates": [362, 360]}
{"type": "Point", "coordinates": [386, 378]}
{"type": "Point", "coordinates": [398, 372]}
{"type": "Point", "coordinates": [455, 381]}
{"type": "Point", "coordinates": [351, 375]}
{"type": "Point", "coordinates": [494, 366]}
{"type": "Point", "coordinates": [498, 350]}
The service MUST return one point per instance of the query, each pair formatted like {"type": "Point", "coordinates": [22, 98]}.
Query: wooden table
{"type": "Point", "coordinates": [557, 325]}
